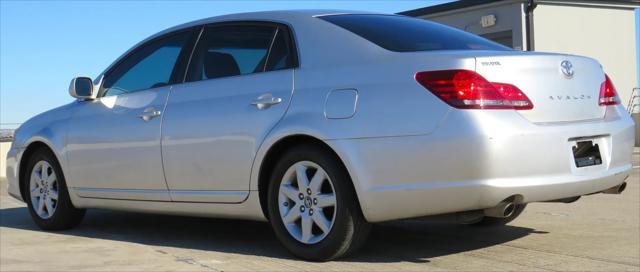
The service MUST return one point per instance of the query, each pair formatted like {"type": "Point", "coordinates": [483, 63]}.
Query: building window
{"type": "Point", "coordinates": [503, 37]}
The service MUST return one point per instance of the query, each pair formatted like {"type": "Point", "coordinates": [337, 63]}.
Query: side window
{"type": "Point", "coordinates": [151, 66]}
{"type": "Point", "coordinates": [280, 55]}
{"type": "Point", "coordinates": [230, 50]}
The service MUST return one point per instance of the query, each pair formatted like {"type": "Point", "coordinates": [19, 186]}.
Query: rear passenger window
{"type": "Point", "coordinates": [230, 51]}
{"type": "Point", "coordinates": [280, 56]}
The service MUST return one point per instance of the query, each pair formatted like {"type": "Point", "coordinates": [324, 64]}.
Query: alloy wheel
{"type": "Point", "coordinates": [307, 202]}
{"type": "Point", "coordinates": [43, 188]}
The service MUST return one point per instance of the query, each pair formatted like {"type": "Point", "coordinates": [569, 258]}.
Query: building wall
{"type": "Point", "coordinates": [638, 45]}
{"type": "Point", "coordinates": [4, 149]}
{"type": "Point", "coordinates": [508, 18]}
{"type": "Point", "coordinates": [606, 34]}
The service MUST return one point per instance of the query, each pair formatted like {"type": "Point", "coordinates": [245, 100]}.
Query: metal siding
{"type": "Point", "coordinates": [637, 47]}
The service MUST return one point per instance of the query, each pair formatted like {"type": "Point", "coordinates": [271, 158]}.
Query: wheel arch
{"type": "Point", "coordinates": [31, 148]}
{"type": "Point", "coordinates": [276, 150]}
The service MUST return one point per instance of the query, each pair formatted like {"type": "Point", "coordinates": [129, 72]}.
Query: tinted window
{"type": "Point", "coordinates": [230, 50]}
{"type": "Point", "coordinates": [406, 34]}
{"type": "Point", "coordinates": [280, 56]}
{"type": "Point", "coordinates": [151, 66]}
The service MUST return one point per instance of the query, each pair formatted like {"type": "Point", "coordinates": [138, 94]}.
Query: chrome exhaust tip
{"type": "Point", "coordinates": [616, 189]}
{"type": "Point", "coordinates": [502, 210]}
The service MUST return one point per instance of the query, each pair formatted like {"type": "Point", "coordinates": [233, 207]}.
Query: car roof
{"type": "Point", "coordinates": [281, 16]}
{"type": "Point", "coordinates": [275, 16]}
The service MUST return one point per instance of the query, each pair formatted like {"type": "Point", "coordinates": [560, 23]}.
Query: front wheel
{"type": "Point", "coordinates": [47, 196]}
{"type": "Point", "coordinates": [312, 206]}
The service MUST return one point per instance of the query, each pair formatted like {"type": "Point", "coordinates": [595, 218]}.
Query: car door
{"type": "Point", "coordinates": [238, 86]}
{"type": "Point", "coordinates": [113, 142]}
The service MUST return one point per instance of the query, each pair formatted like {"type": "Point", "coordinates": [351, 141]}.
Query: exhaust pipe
{"type": "Point", "coordinates": [616, 189]}
{"type": "Point", "coordinates": [564, 200]}
{"type": "Point", "coordinates": [502, 210]}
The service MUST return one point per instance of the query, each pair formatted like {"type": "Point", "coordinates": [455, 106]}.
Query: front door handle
{"type": "Point", "coordinates": [266, 101]}
{"type": "Point", "coordinates": [150, 113]}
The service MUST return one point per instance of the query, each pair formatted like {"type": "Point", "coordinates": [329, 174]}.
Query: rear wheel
{"type": "Point", "coordinates": [312, 206]}
{"type": "Point", "coordinates": [47, 196]}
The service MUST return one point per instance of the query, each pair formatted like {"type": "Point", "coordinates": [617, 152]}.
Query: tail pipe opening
{"type": "Point", "coordinates": [502, 210]}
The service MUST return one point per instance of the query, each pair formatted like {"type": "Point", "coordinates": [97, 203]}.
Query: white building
{"type": "Point", "coordinates": [605, 30]}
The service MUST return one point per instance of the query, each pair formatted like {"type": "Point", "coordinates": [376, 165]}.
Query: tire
{"type": "Point", "coordinates": [347, 229]}
{"type": "Point", "coordinates": [43, 181]}
{"type": "Point", "coordinates": [494, 221]}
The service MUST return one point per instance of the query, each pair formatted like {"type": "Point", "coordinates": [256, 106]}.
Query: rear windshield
{"type": "Point", "coordinates": [407, 34]}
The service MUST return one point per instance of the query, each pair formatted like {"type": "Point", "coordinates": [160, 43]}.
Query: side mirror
{"type": "Point", "coordinates": [81, 88]}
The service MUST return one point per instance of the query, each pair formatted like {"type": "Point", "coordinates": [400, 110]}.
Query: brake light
{"type": "Point", "coordinates": [608, 95]}
{"type": "Point", "coordinates": [464, 89]}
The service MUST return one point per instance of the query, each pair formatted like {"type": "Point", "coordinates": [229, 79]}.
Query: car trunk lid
{"type": "Point", "coordinates": [562, 88]}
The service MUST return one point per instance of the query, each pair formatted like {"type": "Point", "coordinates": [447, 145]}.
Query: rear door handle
{"type": "Point", "coordinates": [266, 101]}
{"type": "Point", "coordinates": [150, 113]}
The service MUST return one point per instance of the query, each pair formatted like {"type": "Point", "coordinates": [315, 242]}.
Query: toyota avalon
{"type": "Point", "coordinates": [322, 123]}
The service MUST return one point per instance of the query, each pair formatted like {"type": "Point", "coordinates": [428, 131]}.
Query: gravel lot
{"type": "Point", "coordinates": [597, 233]}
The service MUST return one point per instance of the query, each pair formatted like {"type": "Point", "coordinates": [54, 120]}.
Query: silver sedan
{"type": "Point", "coordinates": [323, 122]}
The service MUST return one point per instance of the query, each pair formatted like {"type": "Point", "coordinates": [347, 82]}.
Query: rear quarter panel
{"type": "Point", "coordinates": [390, 102]}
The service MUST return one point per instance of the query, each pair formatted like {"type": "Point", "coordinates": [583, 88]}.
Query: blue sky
{"type": "Point", "coordinates": [43, 45]}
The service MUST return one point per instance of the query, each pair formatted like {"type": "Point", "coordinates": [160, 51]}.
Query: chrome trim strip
{"type": "Point", "coordinates": [130, 194]}
{"type": "Point", "coordinates": [163, 195]}
{"type": "Point", "coordinates": [209, 196]}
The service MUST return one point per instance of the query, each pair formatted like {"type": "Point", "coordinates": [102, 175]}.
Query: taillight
{"type": "Point", "coordinates": [608, 95]}
{"type": "Point", "coordinates": [466, 89]}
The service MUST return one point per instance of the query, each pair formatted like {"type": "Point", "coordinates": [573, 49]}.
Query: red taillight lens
{"type": "Point", "coordinates": [608, 95]}
{"type": "Point", "coordinates": [465, 89]}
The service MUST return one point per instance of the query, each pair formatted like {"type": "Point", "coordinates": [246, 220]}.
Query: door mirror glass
{"type": "Point", "coordinates": [81, 88]}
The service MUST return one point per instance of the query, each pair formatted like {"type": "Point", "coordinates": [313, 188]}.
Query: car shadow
{"type": "Point", "coordinates": [399, 241]}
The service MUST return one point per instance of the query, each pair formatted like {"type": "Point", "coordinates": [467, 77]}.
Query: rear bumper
{"type": "Point", "coordinates": [476, 159]}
